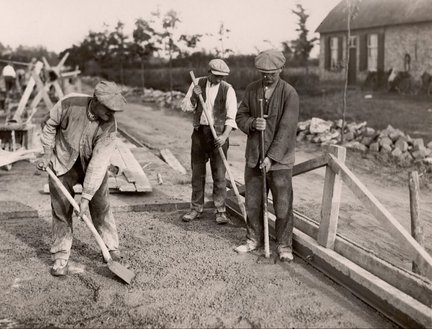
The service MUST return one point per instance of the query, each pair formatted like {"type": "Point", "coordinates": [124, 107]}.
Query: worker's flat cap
{"type": "Point", "coordinates": [109, 94]}
{"type": "Point", "coordinates": [269, 61]}
{"type": "Point", "coordinates": [218, 67]}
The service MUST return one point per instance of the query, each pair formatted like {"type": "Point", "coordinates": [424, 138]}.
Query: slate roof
{"type": "Point", "coordinates": [377, 13]}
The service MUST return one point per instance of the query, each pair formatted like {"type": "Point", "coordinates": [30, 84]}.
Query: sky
{"type": "Point", "coordinates": [58, 24]}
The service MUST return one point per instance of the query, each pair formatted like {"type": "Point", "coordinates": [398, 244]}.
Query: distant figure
{"type": "Point", "coordinates": [9, 76]}
{"type": "Point", "coordinates": [281, 111]}
{"type": "Point", "coordinates": [221, 102]}
{"type": "Point", "coordinates": [78, 139]}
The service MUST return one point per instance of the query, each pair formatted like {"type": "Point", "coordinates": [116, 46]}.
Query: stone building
{"type": "Point", "coordinates": [385, 35]}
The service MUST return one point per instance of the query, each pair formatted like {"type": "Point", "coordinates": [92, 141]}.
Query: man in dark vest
{"type": "Point", "coordinates": [221, 103]}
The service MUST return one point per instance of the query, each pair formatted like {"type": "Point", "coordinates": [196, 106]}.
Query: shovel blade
{"type": "Point", "coordinates": [122, 272]}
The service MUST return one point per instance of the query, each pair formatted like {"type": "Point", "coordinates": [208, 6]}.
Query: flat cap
{"type": "Point", "coordinates": [269, 61]}
{"type": "Point", "coordinates": [218, 67]}
{"type": "Point", "coordinates": [110, 95]}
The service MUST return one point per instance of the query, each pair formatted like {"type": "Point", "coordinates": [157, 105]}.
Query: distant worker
{"type": "Point", "coordinates": [221, 102]}
{"type": "Point", "coordinates": [9, 76]}
{"type": "Point", "coordinates": [78, 140]}
{"type": "Point", "coordinates": [281, 110]}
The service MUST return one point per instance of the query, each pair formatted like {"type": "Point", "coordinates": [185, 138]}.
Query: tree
{"type": "Point", "coordinates": [118, 46]}
{"type": "Point", "coordinates": [223, 34]}
{"type": "Point", "coordinates": [351, 10]}
{"type": "Point", "coordinates": [302, 46]}
{"type": "Point", "coordinates": [144, 44]}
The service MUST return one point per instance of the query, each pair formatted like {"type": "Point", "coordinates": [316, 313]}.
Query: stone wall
{"type": "Point", "coordinates": [415, 40]}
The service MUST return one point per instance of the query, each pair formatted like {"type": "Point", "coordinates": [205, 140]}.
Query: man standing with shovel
{"type": "Point", "coordinates": [78, 139]}
{"type": "Point", "coordinates": [280, 105]}
{"type": "Point", "coordinates": [220, 100]}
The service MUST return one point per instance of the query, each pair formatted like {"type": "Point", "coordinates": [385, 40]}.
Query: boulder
{"type": "Point", "coordinates": [385, 141]}
{"type": "Point", "coordinates": [365, 140]}
{"type": "Point", "coordinates": [374, 147]}
{"type": "Point", "coordinates": [419, 154]}
{"type": "Point", "coordinates": [418, 144]}
{"type": "Point", "coordinates": [303, 125]}
{"type": "Point", "coordinates": [385, 148]}
{"type": "Point", "coordinates": [349, 136]}
{"type": "Point", "coordinates": [429, 145]}
{"type": "Point", "coordinates": [356, 145]}
{"type": "Point", "coordinates": [318, 125]}
{"type": "Point", "coordinates": [369, 132]}
{"type": "Point", "coordinates": [396, 153]}
{"type": "Point", "coordinates": [402, 145]}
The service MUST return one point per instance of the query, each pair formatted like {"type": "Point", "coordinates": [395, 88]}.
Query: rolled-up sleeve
{"type": "Point", "coordinates": [231, 106]}
{"type": "Point", "coordinates": [99, 162]}
{"type": "Point", "coordinates": [50, 129]}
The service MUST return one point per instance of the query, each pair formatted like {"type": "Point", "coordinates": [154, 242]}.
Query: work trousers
{"type": "Point", "coordinates": [62, 211]}
{"type": "Point", "coordinates": [279, 182]}
{"type": "Point", "coordinates": [203, 150]}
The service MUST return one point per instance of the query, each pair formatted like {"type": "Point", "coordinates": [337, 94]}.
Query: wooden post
{"type": "Point", "coordinates": [416, 227]}
{"type": "Point", "coordinates": [330, 201]}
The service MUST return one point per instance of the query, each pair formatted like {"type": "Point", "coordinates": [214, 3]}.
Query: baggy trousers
{"type": "Point", "coordinates": [202, 150]}
{"type": "Point", "coordinates": [279, 182]}
{"type": "Point", "coordinates": [62, 211]}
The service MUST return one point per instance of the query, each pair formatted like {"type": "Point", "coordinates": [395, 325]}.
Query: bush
{"type": "Point", "coordinates": [239, 78]}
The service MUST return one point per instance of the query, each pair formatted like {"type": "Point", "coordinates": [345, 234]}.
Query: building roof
{"type": "Point", "coordinates": [377, 13]}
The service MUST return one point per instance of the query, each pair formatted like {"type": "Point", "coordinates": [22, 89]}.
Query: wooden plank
{"type": "Point", "coordinates": [7, 157]}
{"type": "Point", "coordinates": [172, 161]}
{"type": "Point", "coordinates": [331, 201]}
{"type": "Point", "coordinates": [124, 185]}
{"type": "Point", "coordinates": [416, 226]}
{"type": "Point", "coordinates": [27, 93]}
{"type": "Point", "coordinates": [41, 88]}
{"type": "Point", "coordinates": [416, 252]}
{"type": "Point", "coordinates": [309, 165]}
{"type": "Point", "coordinates": [134, 169]}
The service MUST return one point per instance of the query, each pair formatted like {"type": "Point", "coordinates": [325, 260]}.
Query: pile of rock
{"type": "Point", "coordinates": [163, 99]}
{"type": "Point", "coordinates": [390, 141]}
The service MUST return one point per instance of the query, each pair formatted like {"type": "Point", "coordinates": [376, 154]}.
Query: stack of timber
{"type": "Point", "coordinates": [131, 176]}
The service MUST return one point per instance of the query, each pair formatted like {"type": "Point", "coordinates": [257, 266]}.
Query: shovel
{"type": "Point", "coordinates": [264, 189]}
{"type": "Point", "coordinates": [119, 270]}
{"type": "Point", "coordinates": [221, 153]}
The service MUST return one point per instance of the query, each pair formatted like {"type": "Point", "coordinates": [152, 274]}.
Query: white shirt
{"type": "Point", "coordinates": [211, 92]}
{"type": "Point", "coordinates": [8, 71]}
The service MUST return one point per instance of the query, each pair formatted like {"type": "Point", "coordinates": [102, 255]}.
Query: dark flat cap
{"type": "Point", "coordinates": [269, 61]}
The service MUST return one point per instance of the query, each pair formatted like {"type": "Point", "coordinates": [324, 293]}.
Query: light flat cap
{"type": "Point", "coordinates": [109, 94]}
{"type": "Point", "coordinates": [218, 67]}
{"type": "Point", "coordinates": [269, 61]}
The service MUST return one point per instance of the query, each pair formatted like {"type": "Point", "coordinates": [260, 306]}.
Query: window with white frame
{"type": "Point", "coordinates": [333, 53]}
{"type": "Point", "coordinates": [372, 51]}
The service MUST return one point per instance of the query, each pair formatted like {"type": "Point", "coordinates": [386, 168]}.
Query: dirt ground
{"type": "Point", "coordinates": [388, 184]}
{"type": "Point", "coordinates": [187, 274]}
{"type": "Point", "coordinates": [187, 277]}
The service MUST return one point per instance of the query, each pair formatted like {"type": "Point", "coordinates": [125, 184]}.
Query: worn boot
{"type": "Point", "coordinates": [60, 267]}
{"type": "Point", "coordinates": [221, 218]}
{"type": "Point", "coordinates": [192, 215]}
{"type": "Point", "coordinates": [247, 247]}
{"type": "Point", "coordinates": [285, 254]}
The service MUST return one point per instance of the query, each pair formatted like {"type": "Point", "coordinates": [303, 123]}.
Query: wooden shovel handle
{"type": "Point", "coordinates": [86, 220]}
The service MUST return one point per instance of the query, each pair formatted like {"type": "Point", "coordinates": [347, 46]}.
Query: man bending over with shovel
{"type": "Point", "coordinates": [78, 139]}
{"type": "Point", "coordinates": [221, 103]}
{"type": "Point", "coordinates": [279, 126]}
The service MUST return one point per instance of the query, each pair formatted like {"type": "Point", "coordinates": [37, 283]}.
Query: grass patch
{"type": "Point", "coordinates": [411, 114]}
